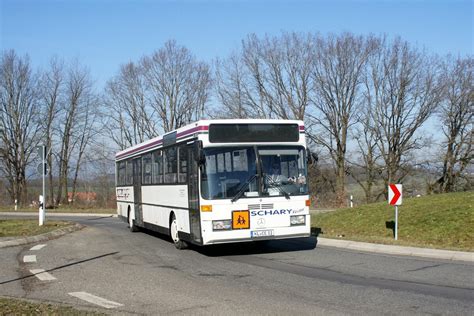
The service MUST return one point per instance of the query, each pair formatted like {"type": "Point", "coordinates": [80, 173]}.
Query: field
{"type": "Point", "coordinates": [444, 221]}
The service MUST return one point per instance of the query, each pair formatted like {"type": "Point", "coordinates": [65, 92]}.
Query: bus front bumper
{"type": "Point", "coordinates": [246, 235]}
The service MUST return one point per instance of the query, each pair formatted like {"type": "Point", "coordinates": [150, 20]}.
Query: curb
{"type": "Point", "coordinates": [397, 250]}
{"type": "Point", "coordinates": [33, 214]}
{"type": "Point", "coordinates": [43, 237]}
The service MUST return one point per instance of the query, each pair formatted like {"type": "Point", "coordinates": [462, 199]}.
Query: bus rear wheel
{"type": "Point", "coordinates": [131, 225]}
{"type": "Point", "coordinates": [178, 243]}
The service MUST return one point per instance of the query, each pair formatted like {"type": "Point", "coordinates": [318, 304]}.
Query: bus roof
{"type": "Point", "coordinates": [201, 126]}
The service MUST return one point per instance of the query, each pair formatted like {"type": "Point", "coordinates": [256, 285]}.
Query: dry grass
{"type": "Point", "coordinates": [28, 227]}
{"type": "Point", "coordinates": [9, 306]}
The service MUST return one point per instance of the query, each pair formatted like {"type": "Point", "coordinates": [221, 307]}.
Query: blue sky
{"type": "Point", "coordinates": [103, 34]}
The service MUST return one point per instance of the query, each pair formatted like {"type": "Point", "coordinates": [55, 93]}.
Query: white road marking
{"type": "Point", "coordinates": [42, 275]}
{"type": "Point", "coordinates": [29, 259]}
{"type": "Point", "coordinates": [95, 299]}
{"type": "Point", "coordinates": [38, 247]}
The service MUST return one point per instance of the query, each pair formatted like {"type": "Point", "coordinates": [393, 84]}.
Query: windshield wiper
{"type": "Point", "coordinates": [277, 185]}
{"type": "Point", "coordinates": [242, 189]}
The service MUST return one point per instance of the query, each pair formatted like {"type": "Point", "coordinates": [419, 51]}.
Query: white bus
{"type": "Point", "coordinates": [218, 181]}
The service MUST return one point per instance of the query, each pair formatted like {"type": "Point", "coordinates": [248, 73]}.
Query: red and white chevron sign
{"type": "Point", "coordinates": [395, 194]}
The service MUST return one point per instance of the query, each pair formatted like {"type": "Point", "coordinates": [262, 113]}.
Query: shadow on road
{"type": "Point", "coordinates": [98, 218]}
{"type": "Point", "coordinates": [258, 247]}
{"type": "Point", "coordinates": [61, 267]}
{"type": "Point", "coordinates": [252, 247]}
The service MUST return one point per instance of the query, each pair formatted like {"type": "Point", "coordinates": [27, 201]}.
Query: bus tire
{"type": "Point", "coordinates": [131, 225]}
{"type": "Point", "coordinates": [178, 243]}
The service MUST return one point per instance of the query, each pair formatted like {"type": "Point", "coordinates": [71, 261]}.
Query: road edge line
{"type": "Point", "coordinates": [94, 299]}
{"type": "Point", "coordinates": [42, 275]}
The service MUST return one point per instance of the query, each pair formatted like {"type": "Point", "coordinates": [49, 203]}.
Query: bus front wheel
{"type": "Point", "coordinates": [178, 243]}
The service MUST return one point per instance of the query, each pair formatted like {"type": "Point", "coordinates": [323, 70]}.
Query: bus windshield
{"type": "Point", "coordinates": [257, 171]}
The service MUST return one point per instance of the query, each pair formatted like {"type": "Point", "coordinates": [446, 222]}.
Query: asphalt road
{"type": "Point", "coordinates": [143, 273]}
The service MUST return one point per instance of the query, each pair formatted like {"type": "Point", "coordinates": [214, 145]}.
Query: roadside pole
{"type": "Point", "coordinates": [396, 222]}
{"type": "Point", "coordinates": [43, 204]}
{"type": "Point", "coordinates": [42, 198]}
{"type": "Point", "coordinates": [41, 211]}
{"type": "Point", "coordinates": [395, 198]}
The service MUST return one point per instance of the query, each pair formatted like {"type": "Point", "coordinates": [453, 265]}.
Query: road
{"type": "Point", "coordinates": [143, 273]}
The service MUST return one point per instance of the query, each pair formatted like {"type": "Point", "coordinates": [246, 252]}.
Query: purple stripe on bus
{"type": "Point", "coordinates": [179, 135]}
{"type": "Point", "coordinates": [159, 141]}
{"type": "Point", "coordinates": [192, 130]}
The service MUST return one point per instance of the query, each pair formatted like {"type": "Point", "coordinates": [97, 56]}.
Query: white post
{"type": "Point", "coordinates": [41, 210]}
{"type": "Point", "coordinates": [16, 205]}
{"type": "Point", "coordinates": [352, 204]}
{"type": "Point", "coordinates": [44, 191]}
{"type": "Point", "coordinates": [396, 222]}
{"type": "Point", "coordinates": [42, 199]}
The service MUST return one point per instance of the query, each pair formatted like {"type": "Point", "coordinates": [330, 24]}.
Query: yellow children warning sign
{"type": "Point", "coordinates": [240, 220]}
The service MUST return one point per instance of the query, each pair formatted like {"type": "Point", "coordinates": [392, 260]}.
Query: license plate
{"type": "Point", "coordinates": [261, 233]}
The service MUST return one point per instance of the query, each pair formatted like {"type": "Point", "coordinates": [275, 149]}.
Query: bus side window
{"type": "Point", "coordinates": [171, 165]}
{"type": "Point", "coordinates": [121, 173]}
{"type": "Point", "coordinates": [183, 164]}
{"type": "Point", "coordinates": [157, 167]}
{"type": "Point", "coordinates": [129, 173]}
{"type": "Point", "coordinates": [146, 167]}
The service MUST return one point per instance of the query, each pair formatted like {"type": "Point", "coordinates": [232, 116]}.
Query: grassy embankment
{"type": "Point", "coordinates": [28, 227]}
{"type": "Point", "coordinates": [444, 221]}
{"type": "Point", "coordinates": [10, 306]}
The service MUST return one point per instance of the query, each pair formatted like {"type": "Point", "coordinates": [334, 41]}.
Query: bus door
{"type": "Point", "coordinates": [137, 190]}
{"type": "Point", "coordinates": [193, 196]}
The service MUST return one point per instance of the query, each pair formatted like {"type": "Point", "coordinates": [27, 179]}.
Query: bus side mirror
{"type": "Point", "coordinates": [312, 157]}
{"type": "Point", "coordinates": [199, 153]}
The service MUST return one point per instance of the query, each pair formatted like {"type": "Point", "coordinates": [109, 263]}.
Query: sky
{"type": "Point", "coordinates": [103, 34]}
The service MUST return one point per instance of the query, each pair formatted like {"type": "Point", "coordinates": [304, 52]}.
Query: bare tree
{"type": "Point", "coordinates": [100, 169]}
{"type": "Point", "coordinates": [19, 126]}
{"type": "Point", "coordinates": [86, 130]}
{"type": "Point", "coordinates": [231, 90]}
{"type": "Point", "coordinates": [131, 119]}
{"type": "Point", "coordinates": [78, 95]}
{"type": "Point", "coordinates": [456, 114]}
{"type": "Point", "coordinates": [52, 87]}
{"type": "Point", "coordinates": [270, 78]}
{"type": "Point", "coordinates": [365, 169]}
{"type": "Point", "coordinates": [178, 85]}
{"type": "Point", "coordinates": [405, 92]}
{"type": "Point", "coordinates": [339, 64]}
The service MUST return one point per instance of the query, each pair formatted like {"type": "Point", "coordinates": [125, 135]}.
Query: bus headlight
{"type": "Point", "coordinates": [297, 220]}
{"type": "Point", "coordinates": [225, 224]}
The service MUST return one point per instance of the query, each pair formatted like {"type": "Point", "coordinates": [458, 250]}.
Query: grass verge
{"type": "Point", "coordinates": [9, 306]}
{"type": "Point", "coordinates": [443, 221]}
{"type": "Point", "coordinates": [62, 209]}
{"type": "Point", "coordinates": [28, 227]}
